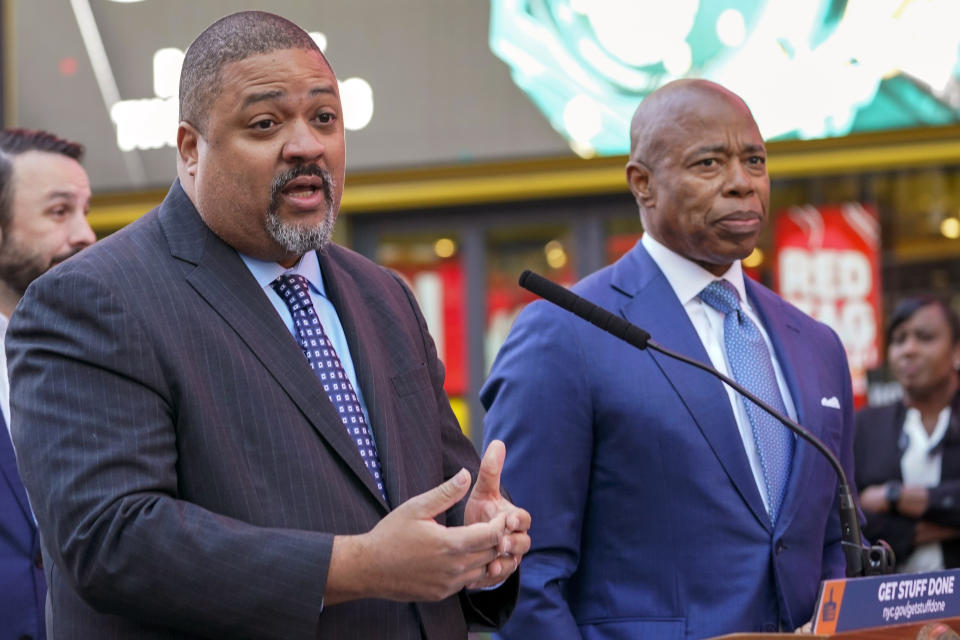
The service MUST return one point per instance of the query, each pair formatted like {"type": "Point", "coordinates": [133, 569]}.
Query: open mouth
{"type": "Point", "coordinates": [304, 189]}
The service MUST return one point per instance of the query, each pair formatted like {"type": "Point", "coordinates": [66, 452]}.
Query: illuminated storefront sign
{"type": "Point", "coordinates": [812, 69]}
{"type": "Point", "coordinates": [151, 123]}
{"type": "Point", "coordinates": [828, 265]}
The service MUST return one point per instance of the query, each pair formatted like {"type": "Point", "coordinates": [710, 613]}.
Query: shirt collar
{"type": "Point", "coordinates": [913, 427]}
{"type": "Point", "coordinates": [686, 277]}
{"type": "Point", "coordinates": [265, 272]}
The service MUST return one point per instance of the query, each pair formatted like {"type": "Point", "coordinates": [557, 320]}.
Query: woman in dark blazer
{"type": "Point", "coordinates": [907, 454]}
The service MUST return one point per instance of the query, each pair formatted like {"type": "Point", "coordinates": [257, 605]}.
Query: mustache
{"type": "Point", "coordinates": [280, 182]}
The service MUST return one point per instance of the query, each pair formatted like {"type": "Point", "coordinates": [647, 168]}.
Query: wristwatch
{"type": "Point", "coordinates": [894, 489]}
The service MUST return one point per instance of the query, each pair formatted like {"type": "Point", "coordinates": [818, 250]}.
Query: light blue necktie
{"type": "Point", "coordinates": [752, 367]}
{"type": "Point", "coordinates": [323, 359]}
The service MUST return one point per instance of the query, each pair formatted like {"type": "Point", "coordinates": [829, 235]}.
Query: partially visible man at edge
{"type": "Point", "coordinates": [193, 396]}
{"type": "Point", "coordinates": [44, 198]}
{"type": "Point", "coordinates": [664, 505]}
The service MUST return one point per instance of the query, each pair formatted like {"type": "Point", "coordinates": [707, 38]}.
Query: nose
{"type": "Point", "coordinates": [739, 182]}
{"type": "Point", "coordinates": [907, 346]}
{"type": "Point", "coordinates": [304, 144]}
{"type": "Point", "coordinates": [81, 234]}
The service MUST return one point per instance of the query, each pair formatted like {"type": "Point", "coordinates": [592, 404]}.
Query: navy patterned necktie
{"type": "Point", "coordinates": [752, 367]}
{"type": "Point", "coordinates": [294, 290]}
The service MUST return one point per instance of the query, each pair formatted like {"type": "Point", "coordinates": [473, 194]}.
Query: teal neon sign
{"type": "Point", "coordinates": [811, 69]}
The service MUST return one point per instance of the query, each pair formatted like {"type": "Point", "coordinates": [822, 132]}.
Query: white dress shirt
{"type": "Point", "coordinates": [688, 279]}
{"type": "Point", "coordinates": [920, 465]}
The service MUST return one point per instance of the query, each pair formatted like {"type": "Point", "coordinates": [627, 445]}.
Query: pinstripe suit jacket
{"type": "Point", "coordinates": [187, 469]}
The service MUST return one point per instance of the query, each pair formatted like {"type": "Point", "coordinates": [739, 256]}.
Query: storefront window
{"type": "Point", "coordinates": [430, 263]}
{"type": "Point", "coordinates": [621, 235]}
{"type": "Point", "coordinates": [547, 249]}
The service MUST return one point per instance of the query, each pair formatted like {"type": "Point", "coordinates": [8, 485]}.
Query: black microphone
{"type": "Point", "coordinates": [861, 560]}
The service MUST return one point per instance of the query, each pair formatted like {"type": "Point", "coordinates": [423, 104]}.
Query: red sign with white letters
{"type": "Point", "coordinates": [828, 264]}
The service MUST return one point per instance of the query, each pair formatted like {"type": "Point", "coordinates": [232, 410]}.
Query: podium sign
{"type": "Point", "coordinates": [877, 601]}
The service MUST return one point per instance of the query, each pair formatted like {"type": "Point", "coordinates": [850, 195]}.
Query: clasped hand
{"type": "Point", "coordinates": [408, 556]}
{"type": "Point", "coordinates": [487, 504]}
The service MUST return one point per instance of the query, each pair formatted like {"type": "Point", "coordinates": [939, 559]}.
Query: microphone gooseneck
{"type": "Point", "coordinates": [860, 560]}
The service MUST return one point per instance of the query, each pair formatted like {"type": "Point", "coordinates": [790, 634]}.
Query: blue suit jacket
{"type": "Point", "coordinates": [22, 586]}
{"type": "Point", "coordinates": [647, 521]}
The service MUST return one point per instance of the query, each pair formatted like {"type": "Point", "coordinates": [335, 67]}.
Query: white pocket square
{"type": "Point", "coordinates": [831, 402]}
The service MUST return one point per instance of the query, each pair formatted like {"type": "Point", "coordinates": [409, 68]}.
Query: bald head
{"type": "Point", "coordinates": [660, 109]}
{"type": "Point", "coordinates": [229, 39]}
{"type": "Point", "coordinates": [698, 170]}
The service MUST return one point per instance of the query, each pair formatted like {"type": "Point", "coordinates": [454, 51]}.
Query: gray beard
{"type": "Point", "coordinates": [299, 239]}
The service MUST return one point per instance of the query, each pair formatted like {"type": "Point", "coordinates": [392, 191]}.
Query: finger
{"type": "Point", "coordinates": [517, 519]}
{"type": "Point", "coordinates": [494, 573]}
{"type": "Point", "coordinates": [500, 569]}
{"type": "Point", "coordinates": [497, 571]}
{"type": "Point", "coordinates": [478, 579]}
{"type": "Point", "coordinates": [488, 478]}
{"type": "Point", "coordinates": [479, 560]}
{"type": "Point", "coordinates": [473, 568]}
{"type": "Point", "coordinates": [484, 580]}
{"type": "Point", "coordinates": [482, 536]}
{"type": "Point", "coordinates": [516, 544]}
{"type": "Point", "coordinates": [441, 497]}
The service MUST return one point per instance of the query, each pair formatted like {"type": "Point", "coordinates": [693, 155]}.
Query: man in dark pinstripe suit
{"type": "Point", "coordinates": [191, 476]}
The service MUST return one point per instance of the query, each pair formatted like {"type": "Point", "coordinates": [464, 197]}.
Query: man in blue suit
{"type": "Point", "coordinates": [664, 506]}
{"type": "Point", "coordinates": [44, 197]}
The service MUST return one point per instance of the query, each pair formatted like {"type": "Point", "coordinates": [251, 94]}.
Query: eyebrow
{"type": "Point", "coordinates": [275, 94]}
{"type": "Point", "coordinates": [69, 195]}
{"type": "Point", "coordinates": [722, 148]}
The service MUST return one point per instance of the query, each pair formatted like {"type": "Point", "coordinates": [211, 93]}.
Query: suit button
{"type": "Point", "coordinates": [38, 561]}
{"type": "Point", "coordinates": [25, 637]}
{"type": "Point", "coordinates": [778, 547]}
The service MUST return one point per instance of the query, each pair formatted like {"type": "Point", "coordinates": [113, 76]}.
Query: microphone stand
{"type": "Point", "coordinates": [861, 561]}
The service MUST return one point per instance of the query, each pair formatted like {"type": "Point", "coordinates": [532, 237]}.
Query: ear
{"type": "Point", "coordinates": [188, 141]}
{"type": "Point", "coordinates": [640, 180]}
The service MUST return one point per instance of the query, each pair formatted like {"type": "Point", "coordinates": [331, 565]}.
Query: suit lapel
{"type": "Point", "coordinates": [793, 355]}
{"type": "Point", "coordinates": [224, 282]}
{"type": "Point", "coordinates": [362, 335]}
{"type": "Point", "coordinates": [654, 306]}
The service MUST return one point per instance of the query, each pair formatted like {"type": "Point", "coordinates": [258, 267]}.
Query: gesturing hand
{"type": "Point", "coordinates": [487, 504]}
{"type": "Point", "coordinates": [408, 556]}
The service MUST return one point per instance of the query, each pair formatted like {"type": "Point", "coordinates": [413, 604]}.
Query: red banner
{"type": "Point", "coordinates": [828, 264]}
{"type": "Point", "coordinates": [440, 295]}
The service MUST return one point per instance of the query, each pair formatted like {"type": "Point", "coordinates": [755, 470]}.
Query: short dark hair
{"type": "Point", "coordinates": [909, 306]}
{"type": "Point", "coordinates": [229, 39]}
{"type": "Point", "coordinates": [13, 142]}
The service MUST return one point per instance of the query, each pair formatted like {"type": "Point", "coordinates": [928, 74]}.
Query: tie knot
{"type": "Point", "coordinates": [722, 296]}
{"type": "Point", "coordinates": [294, 290]}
